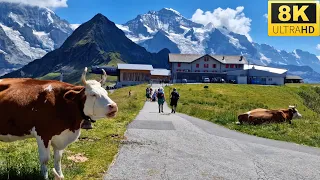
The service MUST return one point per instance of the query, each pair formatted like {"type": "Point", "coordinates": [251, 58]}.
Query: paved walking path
{"type": "Point", "coordinates": [176, 146]}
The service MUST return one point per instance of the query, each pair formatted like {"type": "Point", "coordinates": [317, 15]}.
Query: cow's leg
{"type": "Point", "coordinates": [57, 163]}
{"type": "Point", "coordinates": [44, 155]}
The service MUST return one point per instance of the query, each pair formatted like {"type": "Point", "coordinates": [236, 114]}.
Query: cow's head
{"type": "Point", "coordinates": [97, 104]}
{"type": "Point", "coordinates": [294, 111]}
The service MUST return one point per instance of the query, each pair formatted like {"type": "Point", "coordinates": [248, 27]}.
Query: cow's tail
{"type": "Point", "coordinates": [56, 175]}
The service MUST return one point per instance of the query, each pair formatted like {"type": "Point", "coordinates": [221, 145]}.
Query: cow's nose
{"type": "Point", "coordinates": [113, 107]}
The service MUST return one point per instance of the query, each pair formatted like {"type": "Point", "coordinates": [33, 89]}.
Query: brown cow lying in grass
{"type": "Point", "coordinates": [260, 116]}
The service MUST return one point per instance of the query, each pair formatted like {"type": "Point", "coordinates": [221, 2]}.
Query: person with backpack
{"type": "Point", "coordinates": [147, 94]}
{"type": "Point", "coordinates": [161, 99]}
{"type": "Point", "coordinates": [150, 92]}
{"type": "Point", "coordinates": [174, 100]}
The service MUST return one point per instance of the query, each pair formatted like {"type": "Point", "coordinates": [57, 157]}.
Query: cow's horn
{"type": "Point", "coordinates": [83, 77]}
{"type": "Point", "coordinates": [104, 77]}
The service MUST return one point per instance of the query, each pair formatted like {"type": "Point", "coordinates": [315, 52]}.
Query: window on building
{"type": "Point", "coordinates": [206, 58]}
{"type": "Point", "coordinates": [227, 65]}
{"type": "Point", "coordinates": [270, 79]}
{"type": "Point", "coordinates": [179, 64]}
{"type": "Point", "coordinates": [236, 66]}
{"type": "Point", "coordinates": [206, 65]}
{"type": "Point", "coordinates": [232, 66]}
{"type": "Point", "coordinates": [197, 65]}
{"type": "Point", "coordinates": [214, 65]}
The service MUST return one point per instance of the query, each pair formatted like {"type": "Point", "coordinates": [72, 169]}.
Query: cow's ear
{"type": "Point", "coordinates": [73, 94]}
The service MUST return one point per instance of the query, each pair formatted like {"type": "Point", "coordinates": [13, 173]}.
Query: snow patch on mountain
{"type": "Point", "coordinates": [50, 19]}
{"type": "Point", "coordinates": [176, 12]}
{"type": "Point", "coordinates": [318, 57]}
{"type": "Point", "coordinates": [296, 54]}
{"type": "Point", "coordinates": [235, 42]}
{"type": "Point", "coordinates": [123, 28]}
{"type": "Point", "coordinates": [2, 52]}
{"type": "Point", "coordinates": [265, 59]}
{"type": "Point", "coordinates": [75, 26]}
{"type": "Point", "coordinates": [22, 45]}
{"type": "Point", "coordinates": [138, 39]}
{"type": "Point", "coordinates": [149, 29]}
{"type": "Point", "coordinates": [44, 37]}
{"type": "Point", "coordinates": [16, 18]}
{"type": "Point", "coordinates": [185, 45]}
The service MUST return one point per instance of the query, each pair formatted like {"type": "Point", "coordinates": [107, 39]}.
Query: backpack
{"type": "Point", "coordinates": [175, 95]}
{"type": "Point", "coordinates": [160, 95]}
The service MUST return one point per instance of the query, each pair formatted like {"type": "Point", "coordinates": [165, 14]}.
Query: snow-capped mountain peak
{"type": "Point", "coordinates": [28, 33]}
{"type": "Point", "coordinates": [167, 28]}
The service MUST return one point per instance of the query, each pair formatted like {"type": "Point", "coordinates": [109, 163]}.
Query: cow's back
{"type": "Point", "coordinates": [28, 103]}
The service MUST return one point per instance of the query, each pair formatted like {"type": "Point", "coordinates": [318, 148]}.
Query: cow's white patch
{"type": "Point", "coordinates": [11, 138]}
{"type": "Point", "coordinates": [49, 88]}
{"type": "Point", "coordinates": [67, 137]}
{"type": "Point", "coordinates": [1, 80]}
{"type": "Point", "coordinates": [249, 112]}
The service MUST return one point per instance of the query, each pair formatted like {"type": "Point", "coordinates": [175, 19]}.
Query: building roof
{"type": "Point", "coordinates": [265, 68]}
{"type": "Point", "coordinates": [188, 58]}
{"type": "Point", "coordinates": [294, 77]}
{"type": "Point", "coordinates": [145, 67]}
{"type": "Point", "coordinates": [160, 72]}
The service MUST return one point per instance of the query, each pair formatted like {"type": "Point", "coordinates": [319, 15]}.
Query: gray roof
{"type": "Point", "coordinates": [188, 58]}
{"type": "Point", "coordinates": [265, 68]}
{"type": "Point", "coordinates": [146, 67]}
{"type": "Point", "coordinates": [160, 72]}
{"type": "Point", "coordinates": [294, 77]}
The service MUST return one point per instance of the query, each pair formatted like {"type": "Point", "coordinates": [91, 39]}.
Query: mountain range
{"type": "Point", "coordinates": [28, 33]}
{"type": "Point", "coordinates": [167, 28]}
{"type": "Point", "coordinates": [93, 43]}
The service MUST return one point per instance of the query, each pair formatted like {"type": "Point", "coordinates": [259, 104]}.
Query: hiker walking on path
{"type": "Point", "coordinates": [174, 100]}
{"type": "Point", "coordinates": [150, 92]}
{"type": "Point", "coordinates": [147, 94]}
{"type": "Point", "coordinates": [154, 96]}
{"type": "Point", "coordinates": [161, 99]}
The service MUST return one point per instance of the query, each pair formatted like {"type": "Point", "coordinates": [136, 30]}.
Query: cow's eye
{"type": "Point", "coordinates": [93, 95]}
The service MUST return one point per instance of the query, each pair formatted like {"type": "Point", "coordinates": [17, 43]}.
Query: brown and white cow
{"type": "Point", "coordinates": [260, 116]}
{"type": "Point", "coordinates": [50, 111]}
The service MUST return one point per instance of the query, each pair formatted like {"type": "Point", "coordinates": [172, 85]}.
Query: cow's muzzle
{"type": "Point", "coordinates": [113, 109]}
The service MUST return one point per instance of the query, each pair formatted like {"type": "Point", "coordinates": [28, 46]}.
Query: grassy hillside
{"type": "Point", "coordinates": [221, 104]}
{"type": "Point", "coordinates": [19, 160]}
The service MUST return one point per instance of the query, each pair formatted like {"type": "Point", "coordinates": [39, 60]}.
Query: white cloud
{"type": "Point", "coordinates": [41, 3]}
{"type": "Point", "coordinates": [318, 47]}
{"type": "Point", "coordinates": [318, 57]}
{"type": "Point", "coordinates": [233, 19]}
{"type": "Point", "coordinates": [74, 26]}
{"type": "Point", "coordinates": [265, 16]}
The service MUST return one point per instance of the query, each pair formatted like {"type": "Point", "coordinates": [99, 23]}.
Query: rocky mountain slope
{"type": "Point", "coordinates": [91, 44]}
{"type": "Point", "coordinates": [28, 33]}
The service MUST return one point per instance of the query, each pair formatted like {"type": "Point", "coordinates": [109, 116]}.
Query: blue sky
{"type": "Point", "coordinates": [121, 11]}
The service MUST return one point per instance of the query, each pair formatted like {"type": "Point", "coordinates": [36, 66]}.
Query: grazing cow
{"type": "Point", "coordinates": [260, 116]}
{"type": "Point", "coordinates": [52, 112]}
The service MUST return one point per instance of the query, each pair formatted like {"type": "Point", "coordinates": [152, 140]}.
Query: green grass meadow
{"type": "Point", "coordinates": [19, 160]}
{"type": "Point", "coordinates": [222, 103]}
